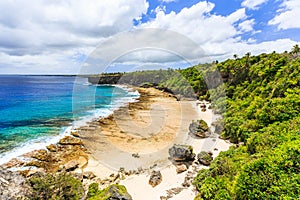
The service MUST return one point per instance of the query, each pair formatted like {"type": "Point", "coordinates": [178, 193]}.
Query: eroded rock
{"type": "Point", "coordinates": [69, 140]}
{"type": "Point", "coordinates": [181, 153]}
{"type": "Point", "coordinates": [155, 178]}
{"type": "Point", "coordinates": [199, 128]}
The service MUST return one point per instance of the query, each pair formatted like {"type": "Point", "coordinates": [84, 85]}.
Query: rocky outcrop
{"type": "Point", "coordinates": [181, 153]}
{"type": "Point", "coordinates": [13, 185]}
{"type": "Point", "coordinates": [118, 192]}
{"type": "Point", "coordinates": [205, 158]}
{"type": "Point", "coordinates": [69, 140]}
{"type": "Point", "coordinates": [155, 178]}
{"type": "Point", "coordinates": [199, 128]}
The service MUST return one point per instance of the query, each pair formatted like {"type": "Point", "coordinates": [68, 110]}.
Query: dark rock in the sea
{"type": "Point", "coordinates": [181, 153]}
{"type": "Point", "coordinates": [71, 165]}
{"type": "Point", "coordinates": [69, 140]}
{"type": "Point", "coordinates": [205, 158]}
{"type": "Point", "coordinates": [118, 192]}
{"type": "Point", "coordinates": [155, 178]}
{"type": "Point", "coordinates": [88, 175]}
{"type": "Point", "coordinates": [200, 128]}
{"type": "Point", "coordinates": [13, 185]}
{"type": "Point", "coordinates": [181, 168]}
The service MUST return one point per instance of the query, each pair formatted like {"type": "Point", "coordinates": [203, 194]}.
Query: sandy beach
{"type": "Point", "coordinates": [125, 147]}
{"type": "Point", "coordinates": [148, 128]}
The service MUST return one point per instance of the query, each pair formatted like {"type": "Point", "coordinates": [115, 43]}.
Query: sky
{"type": "Point", "coordinates": [89, 36]}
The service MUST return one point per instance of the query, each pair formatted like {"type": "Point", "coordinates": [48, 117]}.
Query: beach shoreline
{"type": "Point", "coordinates": [127, 145]}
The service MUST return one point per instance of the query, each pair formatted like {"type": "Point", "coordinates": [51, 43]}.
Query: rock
{"type": "Point", "coordinates": [41, 155]}
{"type": "Point", "coordinates": [182, 153]}
{"type": "Point", "coordinates": [13, 185]}
{"type": "Point", "coordinates": [71, 165]}
{"type": "Point", "coordinates": [117, 192]}
{"type": "Point", "coordinates": [78, 175]}
{"type": "Point", "coordinates": [135, 155]}
{"type": "Point", "coordinates": [200, 128]}
{"type": "Point", "coordinates": [203, 110]}
{"type": "Point", "coordinates": [52, 147]}
{"type": "Point", "coordinates": [155, 178]}
{"type": "Point", "coordinates": [75, 133]}
{"type": "Point", "coordinates": [205, 158]}
{"type": "Point", "coordinates": [69, 140]}
{"type": "Point", "coordinates": [88, 175]}
{"type": "Point", "coordinates": [219, 126]}
{"type": "Point", "coordinates": [181, 168]}
{"type": "Point", "coordinates": [202, 106]}
{"type": "Point", "coordinates": [83, 162]}
{"type": "Point", "coordinates": [12, 163]}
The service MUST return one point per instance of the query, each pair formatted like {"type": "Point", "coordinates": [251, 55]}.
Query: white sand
{"type": "Point", "coordinates": [138, 186]}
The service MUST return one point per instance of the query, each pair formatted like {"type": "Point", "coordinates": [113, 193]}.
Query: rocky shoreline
{"type": "Point", "coordinates": [72, 155]}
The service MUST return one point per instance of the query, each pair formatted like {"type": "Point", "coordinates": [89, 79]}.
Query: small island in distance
{"type": "Point", "coordinates": [256, 154]}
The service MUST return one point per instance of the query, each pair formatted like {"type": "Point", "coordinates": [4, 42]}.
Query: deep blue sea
{"type": "Point", "coordinates": [37, 110]}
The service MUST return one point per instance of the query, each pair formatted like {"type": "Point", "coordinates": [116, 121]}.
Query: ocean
{"type": "Point", "coordinates": [38, 110]}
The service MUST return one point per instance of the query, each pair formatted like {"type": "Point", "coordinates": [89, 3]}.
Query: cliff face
{"type": "Point", "coordinates": [105, 79]}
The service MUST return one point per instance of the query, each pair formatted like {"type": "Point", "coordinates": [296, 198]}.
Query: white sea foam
{"type": "Point", "coordinates": [42, 142]}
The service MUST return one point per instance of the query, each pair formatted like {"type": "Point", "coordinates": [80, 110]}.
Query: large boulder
{"type": "Point", "coordinates": [205, 158]}
{"type": "Point", "coordinates": [112, 192]}
{"type": "Point", "coordinates": [181, 153]}
{"type": "Point", "coordinates": [155, 178]}
{"type": "Point", "coordinates": [118, 192]}
{"type": "Point", "coordinates": [199, 128]}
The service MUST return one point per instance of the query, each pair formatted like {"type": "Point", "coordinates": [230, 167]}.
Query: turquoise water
{"type": "Point", "coordinates": [36, 110]}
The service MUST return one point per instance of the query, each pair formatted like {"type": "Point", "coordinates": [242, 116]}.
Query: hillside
{"type": "Point", "coordinates": [262, 114]}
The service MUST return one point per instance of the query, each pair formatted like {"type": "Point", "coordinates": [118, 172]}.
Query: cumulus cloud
{"type": "Point", "coordinates": [56, 27]}
{"type": "Point", "coordinates": [253, 4]}
{"type": "Point", "coordinates": [55, 36]}
{"type": "Point", "coordinates": [288, 15]}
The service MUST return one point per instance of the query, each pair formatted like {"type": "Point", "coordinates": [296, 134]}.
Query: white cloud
{"type": "Point", "coordinates": [253, 4]}
{"type": "Point", "coordinates": [246, 25]}
{"type": "Point", "coordinates": [55, 27]}
{"type": "Point", "coordinates": [54, 37]}
{"type": "Point", "coordinates": [288, 15]}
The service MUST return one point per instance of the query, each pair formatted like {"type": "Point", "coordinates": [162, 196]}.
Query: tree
{"type": "Point", "coordinates": [295, 49]}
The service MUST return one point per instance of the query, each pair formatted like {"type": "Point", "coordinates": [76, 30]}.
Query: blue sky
{"type": "Point", "coordinates": [60, 37]}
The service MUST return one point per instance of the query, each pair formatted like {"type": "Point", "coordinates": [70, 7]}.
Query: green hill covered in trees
{"type": "Point", "coordinates": [262, 112]}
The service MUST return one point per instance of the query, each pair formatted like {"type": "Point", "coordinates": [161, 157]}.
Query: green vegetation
{"type": "Point", "coordinates": [259, 97]}
{"type": "Point", "coordinates": [263, 104]}
{"type": "Point", "coordinates": [56, 186]}
{"type": "Point", "coordinates": [111, 192]}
